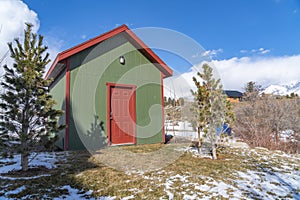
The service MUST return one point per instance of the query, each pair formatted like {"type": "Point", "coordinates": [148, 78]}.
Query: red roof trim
{"type": "Point", "coordinates": [69, 52]}
{"type": "Point", "coordinates": [167, 71]}
{"type": "Point", "coordinates": [52, 67]}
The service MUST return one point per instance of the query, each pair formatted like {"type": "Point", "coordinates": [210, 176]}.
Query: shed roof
{"type": "Point", "coordinates": [58, 64]}
{"type": "Point", "coordinates": [233, 93]}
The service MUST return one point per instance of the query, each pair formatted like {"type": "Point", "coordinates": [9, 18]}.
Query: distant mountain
{"type": "Point", "coordinates": [283, 89]}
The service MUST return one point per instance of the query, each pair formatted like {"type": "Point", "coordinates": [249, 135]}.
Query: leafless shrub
{"type": "Point", "coordinates": [263, 120]}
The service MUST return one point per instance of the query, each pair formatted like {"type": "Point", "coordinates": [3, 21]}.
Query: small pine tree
{"type": "Point", "coordinates": [28, 120]}
{"type": "Point", "coordinates": [210, 107]}
{"type": "Point", "coordinates": [252, 90]}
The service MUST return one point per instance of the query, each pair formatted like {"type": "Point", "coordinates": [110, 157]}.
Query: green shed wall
{"type": "Point", "coordinates": [58, 92]}
{"type": "Point", "coordinates": [90, 70]}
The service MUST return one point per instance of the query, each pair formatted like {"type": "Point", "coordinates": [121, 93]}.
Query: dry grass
{"type": "Point", "coordinates": [109, 182]}
{"type": "Point", "coordinates": [84, 172]}
{"type": "Point", "coordinates": [48, 186]}
{"type": "Point", "coordinates": [146, 148]}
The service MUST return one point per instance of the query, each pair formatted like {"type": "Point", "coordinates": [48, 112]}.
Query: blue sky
{"type": "Point", "coordinates": [239, 35]}
{"type": "Point", "coordinates": [235, 26]}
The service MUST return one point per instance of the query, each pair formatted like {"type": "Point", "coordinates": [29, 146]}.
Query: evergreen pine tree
{"type": "Point", "coordinates": [28, 120]}
{"type": "Point", "coordinates": [210, 107]}
{"type": "Point", "coordinates": [252, 90]}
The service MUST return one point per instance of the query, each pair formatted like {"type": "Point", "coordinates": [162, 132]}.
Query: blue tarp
{"type": "Point", "coordinates": [225, 129]}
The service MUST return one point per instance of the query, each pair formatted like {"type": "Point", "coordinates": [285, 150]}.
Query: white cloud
{"type": "Point", "coordinates": [13, 16]}
{"type": "Point", "coordinates": [208, 53]}
{"type": "Point", "coordinates": [265, 51]}
{"type": "Point", "coordinates": [211, 53]}
{"type": "Point", "coordinates": [180, 85]}
{"type": "Point", "coordinates": [260, 51]}
{"type": "Point", "coordinates": [236, 72]}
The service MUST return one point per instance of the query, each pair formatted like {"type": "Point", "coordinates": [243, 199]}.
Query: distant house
{"type": "Point", "coordinates": [233, 96]}
{"type": "Point", "coordinates": [106, 86]}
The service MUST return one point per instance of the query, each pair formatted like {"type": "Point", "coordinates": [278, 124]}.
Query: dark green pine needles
{"type": "Point", "coordinates": [28, 120]}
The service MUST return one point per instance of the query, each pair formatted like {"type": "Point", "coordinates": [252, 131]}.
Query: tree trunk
{"type": "Point", "coordinates": [174, 135]}
{"type": "Point", "coordinates": [199, 141]}
{"type": "Point", "coordinates": [24, 161]}
{"type": "Point", "coordinates": [214, 152]}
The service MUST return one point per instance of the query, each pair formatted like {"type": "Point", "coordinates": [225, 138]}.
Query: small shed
{"type": "Point", "coordinates": [111, 91]}
{"type": "Point", "coordinates": [233, 96]}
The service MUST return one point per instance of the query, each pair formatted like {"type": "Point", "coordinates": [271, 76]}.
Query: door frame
{"type": "Point", "coordinates": [108, 108]}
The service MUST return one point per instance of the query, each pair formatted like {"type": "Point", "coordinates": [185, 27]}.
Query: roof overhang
{"type": "Point", "coordinates": [59, 63]}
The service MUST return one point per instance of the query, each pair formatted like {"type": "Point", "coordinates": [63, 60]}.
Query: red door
{"type": "Point", "coordinates": [122, 114]}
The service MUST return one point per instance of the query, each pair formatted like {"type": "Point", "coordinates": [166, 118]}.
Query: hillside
{"type": "Point", "coordinates": [283, 89]}
{"type": "Point", "coordinates": [240, 173]}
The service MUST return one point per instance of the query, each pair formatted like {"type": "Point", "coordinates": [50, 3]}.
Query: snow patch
{"type": "Point", "coordinates": [129, 197]}
{"type": "Point", "coordinates": [74, 194]}
{"type": "Point", "coordinates": [46, 159]}
{"type": "Point", "coordinates": [284, 89]}
{"type": "Point", "coordinates": [23, 178]}
{"type": "Point", "coordinates": [267, 184]}
{"type": "Point", "coordinates": [15, 191]}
